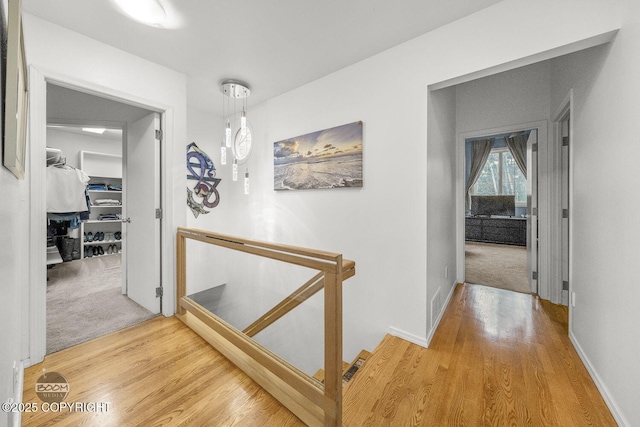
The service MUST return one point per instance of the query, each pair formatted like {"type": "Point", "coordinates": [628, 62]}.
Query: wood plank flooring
{"type": "Point", "coordinates": [498, 358]}
{"type": "Point", "coordinates": [158, 373]}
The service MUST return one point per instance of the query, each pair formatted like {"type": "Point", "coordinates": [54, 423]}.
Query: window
{"type": "Point", "coordinates": [502, 176]}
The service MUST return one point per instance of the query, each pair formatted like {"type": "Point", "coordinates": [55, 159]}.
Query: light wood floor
{"type": "Point", "coordinates": [157, 373]}
{"type": "Point", "coordinates": [498, 358]}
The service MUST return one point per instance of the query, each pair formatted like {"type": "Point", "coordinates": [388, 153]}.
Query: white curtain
{"type": "Point", "coordinates": [481, 148]}
{"type": "Point", "coordinates": [517, 144]}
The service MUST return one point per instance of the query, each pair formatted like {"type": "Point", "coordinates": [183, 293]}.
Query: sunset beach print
{"type": "Point", "coordinates": [330, 158]}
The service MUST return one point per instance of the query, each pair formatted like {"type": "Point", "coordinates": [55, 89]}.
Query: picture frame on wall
{"type": "Point", "coordinates": [16, 91]}
{"type": "Point", "coordinates": [329, 158]}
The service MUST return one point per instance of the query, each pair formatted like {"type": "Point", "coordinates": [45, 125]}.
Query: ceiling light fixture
{"type": "Point", "coordinates": [94, 130]}
{"type": "Point", "coordinates": [148, 12]}
{"type": "Point", "coordinates": [240, 138]}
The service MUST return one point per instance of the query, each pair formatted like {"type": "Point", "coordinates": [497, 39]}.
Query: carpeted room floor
{"type": "Point", "coordinates": [499, 266]}
{"type": "Point", "coordinates": [85, 301]}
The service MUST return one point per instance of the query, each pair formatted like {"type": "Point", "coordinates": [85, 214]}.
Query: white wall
{"type": "Point", "coordinates": [206, 266]}
{"type": "Point", "coordinates": [603, 209]}
{"type": "Point", "coordinates": [441, 201]}
{"type": "Point", "coordinates": [14, 212]}
{"type": "Point", "coordinates": [383, 226]}
{"type": "Point", "coordinates": [72, 143]}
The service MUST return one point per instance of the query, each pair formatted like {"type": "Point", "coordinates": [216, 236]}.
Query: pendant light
{"type": "Point", "coordinates": [234, 172]}
{"type": "Point", "coordinates": [238, 91]}
{"type": "Point", "coordinates": [243, 121]}
{"type": "Point", "coordinates": [223, 153]}
{"type": "Point", "coordinates": [227, 134]}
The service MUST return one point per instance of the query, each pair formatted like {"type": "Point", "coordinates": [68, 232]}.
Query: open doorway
{"type": "Point", "coordinates": [89, 292]}
{"type": "Point", "coordinates": [500, 209]}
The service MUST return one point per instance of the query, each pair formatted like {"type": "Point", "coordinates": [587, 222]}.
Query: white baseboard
{"type": "Point", "coordinates": [444, 307]}
{"type": "Point", "coordinates": [408, 337]}
{"type": "Point", "coordinates": [14, 419]}
{"type": "Point", "coordinates": [604, 391]}
{"type": "Point", "coordinates": [424, 342]}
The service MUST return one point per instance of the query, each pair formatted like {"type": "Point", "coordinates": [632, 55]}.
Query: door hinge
{"type": "Point", "coordinates": [159, 134]}
{"type": "Point", "coordinates": [565, 213]}
{"type": "Point", "coordinates": [534, 275]}
{"type": "Point", "coordinates": [565, 141]}
{"type": "Point", "coordinates": [534, 211]}
{"type": "Point", "coordinates": [565, 285]}
{"type": "Point", "coordinates": [159, 213]}
{"type": "Point", "coordinates": [159, 292]}
{"type": "Point", "coordinates": [534, 147]}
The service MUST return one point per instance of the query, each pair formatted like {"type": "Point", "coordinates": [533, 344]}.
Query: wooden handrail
{"type": "Point", "coordinates": [303, 395]}
{"type": "Point", "coordinates": [276, 247]}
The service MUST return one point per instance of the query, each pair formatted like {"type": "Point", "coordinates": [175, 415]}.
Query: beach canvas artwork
{"type": "Point", "coordinates": [330, 158]}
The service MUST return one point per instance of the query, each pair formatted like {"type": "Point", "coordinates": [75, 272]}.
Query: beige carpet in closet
{"type": "Point", "coordinates": [85, 301]}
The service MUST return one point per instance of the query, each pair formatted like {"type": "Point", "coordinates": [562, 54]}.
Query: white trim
{"type": "Point", "coordinates": [408, 337]}
{"type": "Point", "coordinates": [604, 390]}
{"type": "Point", "coordinates": [15, 418]}
{"type": "Point", "coordinates": [38, 217]}
{"type": "Point", "coordinates": [38, 79]}
{"type": "Point", "coordinates": [555, 199]}
{"type": "Point", "coordinates": [544, 258]}
{"type": "Point", "coordinates": [442, 310]}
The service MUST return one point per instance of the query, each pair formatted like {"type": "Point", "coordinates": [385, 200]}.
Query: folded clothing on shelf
{"type": "Point", "coordinates": [109, 217]}
{"type": "Point", "coordinates": [114, 187]}
{"type": "Point", "coordinates": [97, 186]}
{"type": "Point", "coordinates": [106, 202]}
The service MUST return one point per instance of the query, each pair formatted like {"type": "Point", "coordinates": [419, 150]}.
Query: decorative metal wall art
{"type": "Point", "coordinates": [202, 170]}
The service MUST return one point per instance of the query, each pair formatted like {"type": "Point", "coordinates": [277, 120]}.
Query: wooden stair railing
{"type": "Point", "coordinates": [300, 295]}
{"type": "Point", "coordinates": [311, 401]}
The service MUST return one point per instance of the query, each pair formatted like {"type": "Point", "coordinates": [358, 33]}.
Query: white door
{"type": "Point", "coordinates": [532, 210]}
{"type": "Point", "coordinates": [141, 224]}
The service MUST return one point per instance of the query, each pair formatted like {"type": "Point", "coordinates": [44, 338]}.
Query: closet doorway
{"type": "Point", "coordinates": [110, 279]}
{"type": "Point", "coordinates": [500, 208]}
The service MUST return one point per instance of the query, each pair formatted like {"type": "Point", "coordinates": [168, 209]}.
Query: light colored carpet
{"type": "Point", "coordinates": [85, 301]}
{"type": "Point", "coordinates": [499, 266]}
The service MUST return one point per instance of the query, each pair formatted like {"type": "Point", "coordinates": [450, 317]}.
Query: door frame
{"type": "Point", "coordinates": [543, 217]}
{"type": "Point", "coordinates": [38, 79]}
{"type": "Point", "coordinates": [565, 110]}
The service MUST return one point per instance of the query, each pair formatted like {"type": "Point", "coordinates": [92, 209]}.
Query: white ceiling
{"type": "Point", "coordinates": [274, 46]}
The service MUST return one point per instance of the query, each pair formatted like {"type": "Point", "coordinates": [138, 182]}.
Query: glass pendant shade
{"type": "Point", "coordinates": [223, 153]}
{"type": "Point", "coordinates": [227, 134]}
{"type": "Point", "coordinates": [243, 123]}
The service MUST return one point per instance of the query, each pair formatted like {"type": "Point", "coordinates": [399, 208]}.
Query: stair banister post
{"type": "Point", "coordinates": [333, 344]}
{"type": "Point", "coordinates": [181, 271]}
